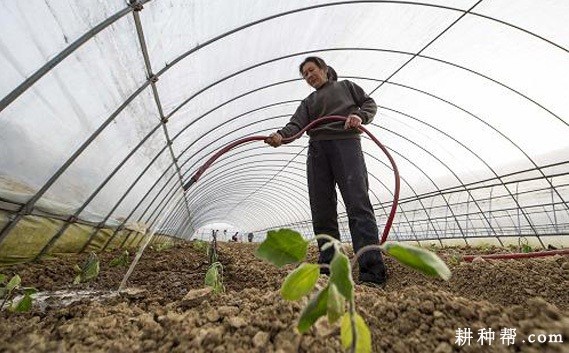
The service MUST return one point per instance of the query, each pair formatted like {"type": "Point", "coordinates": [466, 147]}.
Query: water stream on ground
{"type": "Point", "coordinates": [142, 248]}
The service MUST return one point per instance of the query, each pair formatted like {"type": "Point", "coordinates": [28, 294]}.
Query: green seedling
{"type": "Point", "coordinates": [526, 248]}
{"type": "Point", "coordinates": [214, 277]}
{"type": "Point", "coordinates": [484, 247]}
{"type": "Point", "coordinates": [200, 246]}
{"type": "Point", "coordinates": [89, 270]}
{"type": "Point", "coordinates": [524, 245]}
{"type": "Point", "coordinates": [122, 260]}
{"type": "Point", "coordinates": [454, 259]}
{"type": "Point", "coordinates": [164, 246]}
{"type": "Point", "coordinates": [433, 247]}
{"type": "Point", "coordinates": [287, 247]}
{"type": "Point", "coordinates": [9, 289]}
{"type": "Point", "coordinates": [214, 274]}
{"type": "Point", "coordinates": [211, 252]}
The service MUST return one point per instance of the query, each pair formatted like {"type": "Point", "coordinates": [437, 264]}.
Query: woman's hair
{"type": "Point", "coordinates": [331, 73]}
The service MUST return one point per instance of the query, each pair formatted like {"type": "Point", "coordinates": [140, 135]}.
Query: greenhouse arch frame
{"type": "Point", "coordinates": [109, 108]}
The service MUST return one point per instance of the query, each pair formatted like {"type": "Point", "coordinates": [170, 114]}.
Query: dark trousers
{"type": "Point", "coordinates": [342, 162]}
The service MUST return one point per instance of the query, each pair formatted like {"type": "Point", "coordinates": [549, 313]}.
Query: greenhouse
{"type": "Point", "coordinates": [142, 208]}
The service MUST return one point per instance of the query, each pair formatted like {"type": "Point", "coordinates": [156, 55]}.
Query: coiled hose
{"type": "Point", "coordinates": [395, 202]}
{"type": "Point", "coordinates": [314, 123]}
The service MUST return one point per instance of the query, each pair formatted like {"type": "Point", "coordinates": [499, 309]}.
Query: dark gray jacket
{"type": "Point", "coordinates": [333, 98]}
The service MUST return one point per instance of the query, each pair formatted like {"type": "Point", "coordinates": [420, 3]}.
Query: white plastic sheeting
{"type": "Point", "coordinates": [468, 93]}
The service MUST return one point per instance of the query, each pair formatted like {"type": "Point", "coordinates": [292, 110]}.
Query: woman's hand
{"type": "Point", "coordinates": [352, 122]}
{"type": "Point", "coordinates": [275, 139]}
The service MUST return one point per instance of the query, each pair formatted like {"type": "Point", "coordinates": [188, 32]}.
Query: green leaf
{"type": "Point", "coordinates": [29, 290]}
{"type": "Point", "coordinates": [218, 288]}
{"type": "Point", "coordinates": [121, 260]}
{"type": "Point", "coordinates": [165, 246]}
{"type": "Point", "coordinates": [14, 283]}
{"type": "Point", "coordinates": [89, 271]}
{"type": "Point", "coordinates": [526, 248]}
{"type": "Point", "coordinates": [91, 268]}
{"type": "Point", "coordinates": [328, 245]}
{"type": "Point", "coordinates": [2, 278]}
{"type": "Point", "coordinates": [211, 254]}
{"type": "Point", "coordinates": [363, 335]}
{"type": "Point", "coordinates": [283, 247]}
{"type": "Point", "coordinates": [23, 305]}
{"type": "Point", "coordinates": [300, 282]}
{"type": "Point", "coordinates": [315, 308]}
{"type": "Point", "coordinates": [418, 258]}
{"type": "Point", "coordinates": [335, 304]}
{"type": "Point", "coordinates": [341, 275]}
{"type": "Point", "coordinates": [211, 276]}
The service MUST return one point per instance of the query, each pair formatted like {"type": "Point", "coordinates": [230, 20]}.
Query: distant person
{"type": "Point", "coordinates": [234, 237]}
{"type": "Point", "coordinates": [250, 237]}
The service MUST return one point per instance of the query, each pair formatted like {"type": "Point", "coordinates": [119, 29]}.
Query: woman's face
{"type": "Point", "coordinates": [314, 75]}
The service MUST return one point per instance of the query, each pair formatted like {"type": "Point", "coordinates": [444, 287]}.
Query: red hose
{"type": "Point", "coordinates": [389, 222]}
{"type": "Point", "coordinates": [318, 121]}
{"type": "Point", "coordinates": [469, 258]}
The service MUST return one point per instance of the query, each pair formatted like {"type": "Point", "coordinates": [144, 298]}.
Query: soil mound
{"type": "Point", "coordinates": [518, 300]}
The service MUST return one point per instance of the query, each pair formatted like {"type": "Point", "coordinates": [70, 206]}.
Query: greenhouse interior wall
{"type": "Point", "coordinates": [109, 109]}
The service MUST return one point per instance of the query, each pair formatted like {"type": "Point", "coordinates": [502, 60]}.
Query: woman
{"type": "Point", "coordinates": [335, 157]}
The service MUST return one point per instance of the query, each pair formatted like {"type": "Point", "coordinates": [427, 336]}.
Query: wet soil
{"type": "Point", "coordinates": [171, 312]}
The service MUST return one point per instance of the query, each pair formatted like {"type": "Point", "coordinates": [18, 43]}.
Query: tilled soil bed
{"type": "Point", "coordinates": [167, 310]}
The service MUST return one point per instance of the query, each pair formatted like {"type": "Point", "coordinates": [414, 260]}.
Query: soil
{"type": "Point", "coordinates": [167, 309]}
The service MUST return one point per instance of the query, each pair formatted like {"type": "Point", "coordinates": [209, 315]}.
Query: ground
{"type": "Point", "coordinates": [166, 309]}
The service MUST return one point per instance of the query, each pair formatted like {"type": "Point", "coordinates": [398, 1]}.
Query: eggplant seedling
{"type": "Point", "coordinates": [454, 259]}
{"type": "Point", "coordinates": [214, 274]}
{"type": "Point", "coordinates": [523, 243]}
{"type": "Point", "coordinates": [200, 246]}
{"type": "Point", "coordinates": [286, 246]}
{"type": "Point", "coordinates": [122, 260]}
{"type": "Point", "coordinates": [214, 277]}
{"type": "Point", "coordinates": [9, 289]}
{"type": "Point", "coordinates": [164, 246]}
{"type": "Point", "coordinates": [89, 270]}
